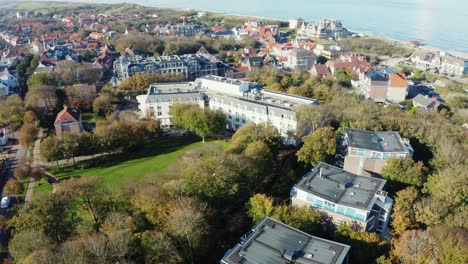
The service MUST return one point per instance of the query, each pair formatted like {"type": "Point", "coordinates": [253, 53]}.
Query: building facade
{"type": "Point", "coordinates": [274, 242]}
{"type": "Point", "coordinates": [190, 66]}
{"type": "Point", "coordinates": [368, 151]}
{"type": "Point", "coordinates": [324, 29]}
{"type": "Point", "coordinates": [242, 102]}
{"type": "Point", "coordinates": [345, 197]}
{"type": "Point", "coordinates": [301, 59]}
{"type": "Point", "coordinates": [68, 121]}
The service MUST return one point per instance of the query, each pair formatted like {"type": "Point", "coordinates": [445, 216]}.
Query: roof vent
{"type": "Point", "coordinates": [352, 193]}
{"type": "Point", "coordinates": [289, 255]}
{"type": "Point", "coordinates": [309, 256]}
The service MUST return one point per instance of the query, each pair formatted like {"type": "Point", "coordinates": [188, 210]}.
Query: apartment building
{"type": "Point", "coordinates": [156, 103]}
{"type": "Point", "coordinates": [274, 242]}
{"type": "Point", "coordinates": [368, 151]}
{"type": "Point", "coordinates": [242, 102]}
{"type": "Point", "coordinates": [324, 29]}
{"type": "Point", "coordinates": [331, 50]}
{"type": "Point", "coordinates": [189, 65]}
{"type": "Point", "coordinates": [345, 197]}
{"type": "Point", "coordinates": [301, 59]}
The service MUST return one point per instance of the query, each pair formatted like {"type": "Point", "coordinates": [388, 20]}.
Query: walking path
{"type": "Point", "coordinates": [35, 163]}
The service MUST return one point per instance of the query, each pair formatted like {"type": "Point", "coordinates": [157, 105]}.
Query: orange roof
{"type": "Point", "coordinates": [398, 80]}
{"type": "Point", "coordinates": [67, 115]}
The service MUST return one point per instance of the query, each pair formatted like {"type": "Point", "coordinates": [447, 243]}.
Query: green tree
{"type": "Point", "coordinates": [70, 146]}
{"type": "Point", "coordinates": [259, 206]}
{"type": "Point", "coordinates": [318, 146]}
{"type": "Point", "coordinates": [27, 242]}
{"type": "Point", "coordinates": [201, 121]}
{"type": "Point", "coordinates": [51, 149]}
{"type": "Point", "coordinates": [42, 79]}
{"type": "Point", "coordinates": [13, 187]}
{"type": "Point", "coordinates": [30, 117]}
{"type": "Point", "coordinates": [250, 133]}
{"type": "Point", "coordinates": [405, 171]}
{"type": "Point", "coordinates": [11, 111]}
{"type": "Point", "coordinates": [102, 105]}
{"type": "Point", "coordinates": [27, 135]}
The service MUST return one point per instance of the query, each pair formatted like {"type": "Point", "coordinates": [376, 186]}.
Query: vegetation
{"type": "Point", "coordinates": [202, 122]}
{"type": "Point", "coordinates": [319, 145]}
{"type": "Point", "coordinates": [377, 47]}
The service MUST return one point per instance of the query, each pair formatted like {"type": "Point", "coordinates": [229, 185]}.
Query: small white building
{"type": "Point", "coordinates": [4, 90]}
{"type": "Point", "coordinates": [9, 80]}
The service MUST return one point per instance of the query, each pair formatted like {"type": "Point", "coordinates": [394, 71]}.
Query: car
{"type": "Point", "coordinates": [5, 202]}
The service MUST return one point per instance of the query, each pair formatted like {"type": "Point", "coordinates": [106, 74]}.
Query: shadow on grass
{"type": "Point", "coordinates": [161, 145]}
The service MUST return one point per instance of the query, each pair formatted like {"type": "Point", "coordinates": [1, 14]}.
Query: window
{"type": "Point", "coordinates": [159, 107]}
{"type": "Point", "coordinates": [159, 113]}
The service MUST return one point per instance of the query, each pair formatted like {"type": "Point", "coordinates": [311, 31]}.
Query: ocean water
{"type": "Point", "coordinates": [438, 23]}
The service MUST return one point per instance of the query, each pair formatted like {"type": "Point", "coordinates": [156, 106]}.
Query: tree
{"type": "Point", "coordinates": [250, 133]}
{"type": "Point", "coordinates": [41, 79]}
{"type": "Point", "coordinates": [27, 242]}
{"type": "Point", "coordinates": [405, 171]}
{"type": "Point", "coordinates": [403, 217]}
{"type": "Point", "coordinates": [415, 246]}
{"type": "Point", "coordinates": [30, 117]}
{"type": "Point", "coordinates": [87, 144]}
{"type": "Point", "coordinates": [159, 248]}
{"type": "Point", "coordinates": [11, 111]}
{"type": "Point", "coordinates": [70, 146]}
{"type": "Point", "coordinates": [13, 187]}
{"type": "Point", "coordinates": [186, 221]}
{"type": "Point", "coordinates": [81, 96]}
{"type": "Point", "coordinates": [102, 105]}
{"type": "Point", "coordinates": [42, 99]}
{"type": "Point", "coordinates": [201, 121]}
{"type": "Point", "coordinates": [21, 71]}
{"type": "Point", "coordinates": [259, 206]}
{"type": "Point", "coordinates": [27, 135]}
{"type": "Point", "coordinates": [51, 149]}
{"type": "Point", "coordinates": [430, 211]}
{"type": "Point", "coordinates": [50, 215]}
{"type": "Point", "coordinates": [318, 146]}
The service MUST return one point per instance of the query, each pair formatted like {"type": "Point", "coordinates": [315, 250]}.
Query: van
{"type": "Point", "coordinates": [5, 203]}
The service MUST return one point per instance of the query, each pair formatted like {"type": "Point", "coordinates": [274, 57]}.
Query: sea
{"type": "Point", "coordinates": [437, 23]}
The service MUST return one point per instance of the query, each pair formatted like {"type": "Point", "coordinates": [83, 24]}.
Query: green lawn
{"type": "Point", "coordinates": [155, 157]}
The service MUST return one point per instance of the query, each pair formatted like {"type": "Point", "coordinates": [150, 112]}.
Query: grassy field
{"type": "Point", "coordinates": [156, 157]}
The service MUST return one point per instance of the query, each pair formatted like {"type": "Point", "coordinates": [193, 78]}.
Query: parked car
{"type": "Point", "coordinates": [5, 203]}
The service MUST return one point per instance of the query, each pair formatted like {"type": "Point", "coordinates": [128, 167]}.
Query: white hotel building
{"type": "Point", "coordinates": [242, 102]}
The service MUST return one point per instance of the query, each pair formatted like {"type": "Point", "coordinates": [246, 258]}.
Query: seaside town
{"type": "Point", "coordinates": [132, 134]}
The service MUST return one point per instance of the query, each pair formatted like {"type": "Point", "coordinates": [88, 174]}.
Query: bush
{"type": "Point", "coordinates": [13, 187]}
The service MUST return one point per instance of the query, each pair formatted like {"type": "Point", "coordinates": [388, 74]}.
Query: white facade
{"type": "Point", "coordinates": [4, 90]}
{"type": "Point", "coordinates": [242, 102]}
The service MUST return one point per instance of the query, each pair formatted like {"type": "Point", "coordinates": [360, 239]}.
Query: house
{"type": "Point", "coordinates": [347, 62]}
{"type": "Point", "coordinates": [423, 59]}
{"type": "Point", "coordinates": [301, 59]}
{"type": "Point", "coordinates": [345, 197]}
{"type": "Point", "coordinates": [331, 50]}
{"type": "Point", "coordinates": [3, 137]}
{"type": "Point", "coordinates": [367, 152]}
{"type": "Point", "coordinates": [454, 65]}
{"type": "Point", "coordinates": [397, 88]}
{"type": "Point", "coordinates": [324, 29]}
{"type": "Point", "coordinates": [96, 35]}
{"type": "Point", "coordinates": [68, 121]}
{"type": "Point", "coordinates": [4, 90]}
{"type": "Point", "coordinates": [252, 62]}
{"type": "Point", "coordinates": [296, 23]}
{"type": "Point", "coordinates": [426, 103]}
{"type": "Point", "coordinates": [274, 242]}
{"type": "Point", "coordinates": [374, 85]}
{"type": "Point", "coordinates": [319, 70]}
{"type": "Point", "coordinates": [9, 80]}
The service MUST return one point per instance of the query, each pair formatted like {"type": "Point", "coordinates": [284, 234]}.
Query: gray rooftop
{"type": "Point", "coordinates": [274, 242]}
{"type": "Point", "coordinates": [381, 141]}
{"type": "Point", "coordinates": [341, 187]}
{"type": "Point", "coordinates": [423, 101]}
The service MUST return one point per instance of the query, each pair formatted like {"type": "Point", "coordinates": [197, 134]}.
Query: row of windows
{"type": "Point", "coordinates": [329, 206]}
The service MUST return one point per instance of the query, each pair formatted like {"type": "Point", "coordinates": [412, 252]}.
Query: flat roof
{"type": "Point", "coordinates": [381, 141]}
{"type": "Point", "coordinates": [341, 187]}
{"type": "Point", "coordinates": [274, 242]}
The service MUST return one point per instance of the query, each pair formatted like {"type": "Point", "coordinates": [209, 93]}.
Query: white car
{"type": "Point", "coordinates": [6, 201]}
